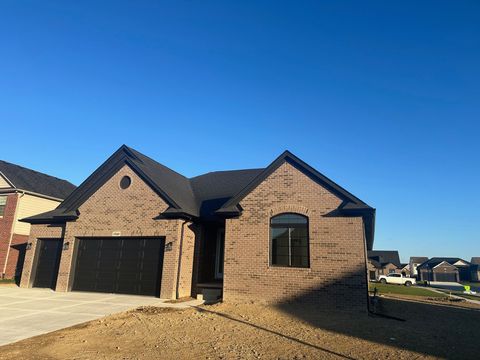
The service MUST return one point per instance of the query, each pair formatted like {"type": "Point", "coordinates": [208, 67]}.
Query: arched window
{"type": "Point", "coordinates": [289, 240]}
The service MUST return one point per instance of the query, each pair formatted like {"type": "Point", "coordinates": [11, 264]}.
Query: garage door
{"type": "Point", "coordinates": [48, 261]}
{"type": "Point", "coordinates": [448, 277]}
{"type": "Point", "coordinates": [119, 265]}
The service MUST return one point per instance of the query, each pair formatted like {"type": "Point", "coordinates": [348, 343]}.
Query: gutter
{"type": "Point", "coordinates": [7, 190]}
{"type": "Point", "coordinates": [11, 233]}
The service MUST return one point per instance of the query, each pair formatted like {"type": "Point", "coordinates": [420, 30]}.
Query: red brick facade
{"type": "Point", "coordinates": [8, 241]}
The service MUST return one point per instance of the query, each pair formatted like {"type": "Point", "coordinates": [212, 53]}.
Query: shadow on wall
{"type": "Point", "coordinates": [435, 330]}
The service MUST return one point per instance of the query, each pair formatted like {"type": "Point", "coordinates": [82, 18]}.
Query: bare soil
{"type": "Point", "coordinates": [229, 331]}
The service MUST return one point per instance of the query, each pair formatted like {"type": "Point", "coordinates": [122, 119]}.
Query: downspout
{"type": "Point", "coordinates": [11, 233]}
{"type": "Point", "coordinates": [177, 289]}
{"type": "Point", "coordinates": [366, 264]}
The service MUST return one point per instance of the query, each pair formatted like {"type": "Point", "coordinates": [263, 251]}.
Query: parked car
{"type": "Point", "coordinates": [396, 279]}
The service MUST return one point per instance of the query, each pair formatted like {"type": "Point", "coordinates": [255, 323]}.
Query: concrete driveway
{"type": "Point", "coordinates": [29, 312]}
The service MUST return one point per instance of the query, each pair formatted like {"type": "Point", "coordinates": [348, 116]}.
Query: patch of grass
{"type": "Point", "coordinates": [7, 281]}
{"type": "Point", "coordinates": [403, 290]}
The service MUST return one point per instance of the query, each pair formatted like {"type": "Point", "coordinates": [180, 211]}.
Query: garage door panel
{"type": "Point", "coordinates": [119, 265]}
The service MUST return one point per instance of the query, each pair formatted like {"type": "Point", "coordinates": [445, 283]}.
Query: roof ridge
{"type": "Point", "coordinates": [224, 171]}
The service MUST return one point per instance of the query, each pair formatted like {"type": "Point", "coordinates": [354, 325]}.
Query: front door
{"type": "Point", "coordinates": [49, 251]}
{"type": "Point", "coordinates": [219, 254]}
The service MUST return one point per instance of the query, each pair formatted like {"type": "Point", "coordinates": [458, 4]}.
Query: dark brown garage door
{"type": "Point", "coordinates": [48, 261]}
{"type": "Point", "coordinates": [446, 277]}
{"type": "Point", "coordinates": [119, 265]}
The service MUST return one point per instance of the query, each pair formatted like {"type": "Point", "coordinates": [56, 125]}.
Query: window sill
{"type": "Point", "coordinates": [280, 267]}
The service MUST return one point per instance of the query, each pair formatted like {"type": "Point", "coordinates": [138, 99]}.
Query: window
{"type": "Point", "coordinates": [395, 275]}
{"type": "Point", "coordinates": [3, 203]}
{"type": "Point", "coordinates": [125, 182]}
{"type": "Point", "coordinates": [289, 240]}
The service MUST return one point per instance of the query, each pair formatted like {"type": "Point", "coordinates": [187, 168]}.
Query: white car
{"type": "Point", "coordinates": [396, 279]}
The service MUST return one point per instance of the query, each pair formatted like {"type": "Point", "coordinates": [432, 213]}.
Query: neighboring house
{"type": "Point", "coordinates": [405, 270]}
{"type": "Point", "coordinates": [475, 269]}
{"type": "Point", "coordinates": [382, 262]}
{"type": "Point", "coordinates": [415, 261]}
{"type": "Point", "coordinates": [23, 193]}
{"type": "Point", "coordinates": [278, 234]}
{"type": "Point", "coordinates": [444, 269]}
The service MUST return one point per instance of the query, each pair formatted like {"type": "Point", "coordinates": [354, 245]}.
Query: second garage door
{"type": "Point", "coordinates": [119, 265]}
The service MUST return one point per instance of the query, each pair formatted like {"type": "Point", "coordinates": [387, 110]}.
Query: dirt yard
{"type": "Point", "coordinates": [258, 332]}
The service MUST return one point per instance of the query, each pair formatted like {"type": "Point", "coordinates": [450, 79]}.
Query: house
{"type": "Point", "coordinates": [444, 269]}
{"type": "Point", "coordinates": [278, 234]}
{"type": "Point", "coordinates": [475, 269]}
{"type": "Point", "coordinates": [23, 193]}
{"type": "Point", "coordinates": [405, 269]}
{"type": "Point", "coordinates": [382, 262]}
{"type": "Point", "coordinates": [415, 261]}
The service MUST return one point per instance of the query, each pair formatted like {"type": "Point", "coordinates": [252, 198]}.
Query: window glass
{"type": "Point", "coordinates": [3, 203]}
{"type": "Point", "coordinates": [289, 240]}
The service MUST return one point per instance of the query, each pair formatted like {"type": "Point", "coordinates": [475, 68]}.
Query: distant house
{"type": "Point", "coordinates": [405, 269]}
{"type": "Point", "coordinates": [475, 269]}
{"type": "Point", "coordinates": [383, 262]}
{"type": "Point", "coordinates": [23, 193]}
{"type": "Point", "coordinates": [444, 269]}
{"type": "Point", "coordinates": [415, 261]}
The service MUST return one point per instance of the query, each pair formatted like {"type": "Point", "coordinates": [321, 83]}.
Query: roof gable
{"type": "Point", "coordinates": [351, 202]}
{"type": "Point", "coordinates": [172, 187]}
{"type": "Point", "coordinates": [445, 264]}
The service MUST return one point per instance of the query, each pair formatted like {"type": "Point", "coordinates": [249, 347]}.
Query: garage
{"type": "Point", "coordinates": [119, 265]}
{"type": "Point", "coordinates": [445, 277]}
{"type": "Point", "coordinates": [48, 261]}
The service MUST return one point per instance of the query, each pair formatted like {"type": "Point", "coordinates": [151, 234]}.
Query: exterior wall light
{"type": "Point", "coordinates": [66, 246]}
{"type": "Point", "coordinates": [169, 246]}
{"type": "Point", "coordinates": [29, 246]}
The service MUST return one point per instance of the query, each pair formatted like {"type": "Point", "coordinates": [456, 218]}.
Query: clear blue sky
{"type": "Point", "coordinates": [382, 97]}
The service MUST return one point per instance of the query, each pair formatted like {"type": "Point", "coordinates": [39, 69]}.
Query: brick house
{"type": "Point", "coordinates": [383, 262]}
{"type": "Point", "coordinates": [23, 193]}
{"type": "Point", "coordinates": [444, 269]}
{"type": "Point", "coordinates": [277, 234]}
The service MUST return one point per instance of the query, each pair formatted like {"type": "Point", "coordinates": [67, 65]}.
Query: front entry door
{"type": "Point", "coordinates": [219, 254]}
{"type": "Point", "coordinates": [49, 252]}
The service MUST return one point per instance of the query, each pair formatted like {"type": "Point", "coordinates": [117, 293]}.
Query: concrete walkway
{"type": "Point", "coordinates": [30, 312]}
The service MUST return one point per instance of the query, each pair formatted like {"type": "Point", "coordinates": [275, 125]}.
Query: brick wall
{"type": "Point", "coordinates": [6, 222]}
{"type": "Point", "coordinates": [16, 256]}
{"type": "Point", "coordinates": [130, 212]}
{"type": "Point", "coordinates": [337, 254]}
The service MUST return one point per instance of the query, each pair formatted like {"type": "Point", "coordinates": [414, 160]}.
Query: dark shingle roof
{"type": "Point", "coordinates": [177, 186]}
{"type": "Point", "coordinates": [437, 260]}
{"type": "Point", "coordinates": [34, 181]}
{"type": "Point", "coordinates": [385, 256]}
{"type": "Point", "coordinates": [213, 189]}
{"type": "Point", "coordinates": [203, 195]}
{"type": "Point", "coordinates": [418, 259]}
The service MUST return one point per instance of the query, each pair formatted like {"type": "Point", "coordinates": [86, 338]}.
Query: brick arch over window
{"type": "Point", "coordinates": [289, 240]}
{"type": "Point", "coordinates": [289, 208]}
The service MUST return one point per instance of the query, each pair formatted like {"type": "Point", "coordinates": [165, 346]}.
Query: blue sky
{"type": "Point", "coordinates": [382, 97]}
